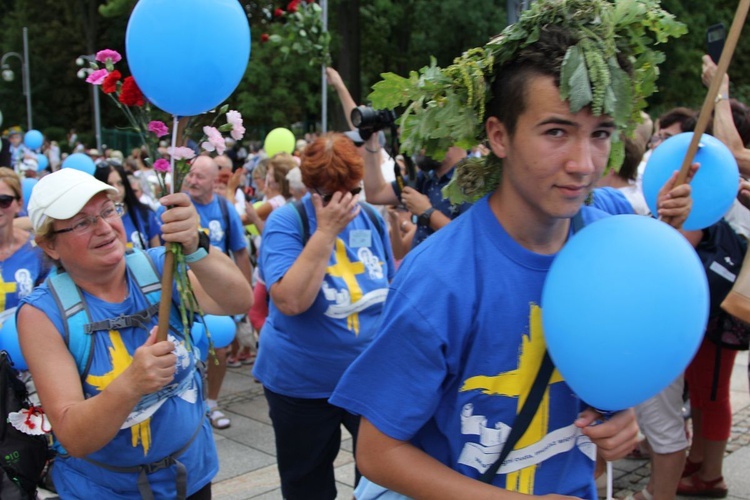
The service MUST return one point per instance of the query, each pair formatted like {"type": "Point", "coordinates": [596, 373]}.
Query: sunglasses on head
{"type": "Point", "coordinates": [327, 197]}
{"type": "Point", "coordinates": [6, 200]}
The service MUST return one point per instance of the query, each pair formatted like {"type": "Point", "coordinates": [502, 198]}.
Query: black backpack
{"type": "Point", "coordinates": [22, 456]}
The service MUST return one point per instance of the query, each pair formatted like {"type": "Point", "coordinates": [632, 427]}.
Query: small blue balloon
{"type": "Point", "coordinates": [200, 341]}
{"type": "Point", "coordinates": [27, 185]}
{"type": "Point", "coordinates": [714, 187]}
{"type": "Point", "coordinates": [221, 329]}
{"type": "Point", "coordinates": [80, 161]}
{"type": "Point", "coordinates": [33, 139]}
{"type": "Point", "coordinates": [624, 308]}
{"type": "Point", "coordinates": [9, 343]}
{"type": "Point", "coordinates": [42, 161]}
{"type": "Point", "coordinates": [194, 69]}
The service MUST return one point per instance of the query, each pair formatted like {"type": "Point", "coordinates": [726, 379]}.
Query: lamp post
{"type": "Point", "coordinates": [8, 74]}
{"type": "Point", "coordinates": [83, 73]}
{"type": "Point", "coordinates": [324, 82]}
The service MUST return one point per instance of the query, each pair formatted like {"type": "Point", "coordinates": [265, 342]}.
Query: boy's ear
{"type": "Point", "coordinates": [497, 137]}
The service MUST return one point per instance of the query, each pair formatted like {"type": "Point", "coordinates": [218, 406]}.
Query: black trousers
{"type": "Point", "coordinates": [308, 438]}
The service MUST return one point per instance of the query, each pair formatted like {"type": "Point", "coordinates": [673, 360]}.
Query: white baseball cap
{"type": "Point", "coordinates": [63, 194]}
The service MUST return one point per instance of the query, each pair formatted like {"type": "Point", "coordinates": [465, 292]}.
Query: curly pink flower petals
{"type": "Point", "coordinates": [234, 118]}
{"type": "Point", "coordinates": [161, 165]}
{"type": "Point", "coordinates": [181, 153]}
{"type": "Point", "coordinates": [97, 77]}
{"type": "Point", "coordinates": [113, 56]}
{"type": "Point", "coordinates": [215, 140]}
{"type": "Point", "coordinates": [158, 128]}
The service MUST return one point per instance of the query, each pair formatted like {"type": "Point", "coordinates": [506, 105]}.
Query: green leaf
{"type": "Point", "coordinates": [574, 80]}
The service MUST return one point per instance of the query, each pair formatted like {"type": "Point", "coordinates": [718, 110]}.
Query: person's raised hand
{"type": "Point", "coordinates": [335, 215]}
{"type": "Point", "coordinates": [180, 221]}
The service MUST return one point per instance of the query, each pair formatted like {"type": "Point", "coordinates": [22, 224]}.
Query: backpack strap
{"type": "Point", "coordinates": [303, 220]}
{"type": "Point", "coordinates": [75, 316]}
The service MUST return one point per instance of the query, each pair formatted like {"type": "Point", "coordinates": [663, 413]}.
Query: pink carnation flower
{"type": "Point", "coordinates": [235, 119]}
{"type": "Point", "coordinates": [97, 77]}
{"type": "Point", "coordinates": [110, 54]}
{"type": "Point", "coordinates": [181, 153]}
{"type": "Point", "coordinates": [158, 128]}
{"type": "Point", "coordinates": [215, 141]}
{"type": "Point", "coordinates": [162, 165]}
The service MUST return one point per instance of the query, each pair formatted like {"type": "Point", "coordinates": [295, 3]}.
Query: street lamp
{"type": "Point", "coordinates": [8, 74]}
{"type": "Point", "coordinates": [83, 73]}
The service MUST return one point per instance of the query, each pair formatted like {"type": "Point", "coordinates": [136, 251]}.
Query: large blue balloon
{"type": "Point", "coordinates": [221, 329]}
{"type": "Point", "coordinates": [9, 343]}
{"type": "Point", "coordinates": [624, 308]}
{"type": "Point", "coordinates": [27, 185]}
{"type": "Point", "coordinates": [80, 161]}
{"type": "Point", "coordinates": [714, 187]}
{"type": "Point", "coordinates": [33, 139]}
{"type": "Point", "coordinates": [42, 162]}
{"type": "Point", "coordinates": [187, 56]}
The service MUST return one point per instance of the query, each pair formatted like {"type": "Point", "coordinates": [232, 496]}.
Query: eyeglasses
{"type": "Point", "coordinates": [87, 222]}
{"type": "Point", "coordinates": [6, 200]}
{"type": "Point", "coordinates": [659, 138]}
{"type": "Point", "coordinates": [327, 197]}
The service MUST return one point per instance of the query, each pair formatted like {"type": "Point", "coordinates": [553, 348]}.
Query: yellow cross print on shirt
{"type": "Point", "coordinates": [517, 383]}
{"type": "Point", "coordinates": [121, 359]}
{"type": "Point", "coordinates": [5, 289]}
{"type": "Point", "coordinates": [348, 271]}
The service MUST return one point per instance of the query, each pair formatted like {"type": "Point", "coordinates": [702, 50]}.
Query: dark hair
{"type": "Point", "coordinates": [686, 117]}
{"type": "Point", "coordinates": [543, 58]}
{"type": "Point", "coordinates": [131, 201]}
{"type": "Point", "coordinates": [633, 155]}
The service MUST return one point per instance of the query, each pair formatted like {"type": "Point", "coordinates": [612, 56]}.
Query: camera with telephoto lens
{"type": "Point", "coordinates": [369, 120]}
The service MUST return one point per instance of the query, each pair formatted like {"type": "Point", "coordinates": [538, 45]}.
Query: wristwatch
{"type": "Point", "coordinates": [204, 244]}
{"type": "Point", "coordinates": [424, 217]}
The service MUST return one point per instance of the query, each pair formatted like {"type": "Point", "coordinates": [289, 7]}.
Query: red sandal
{"type": "Point", "coordinates": [691, 468]}
{"type": "Point", "coordinates": [697, 487]}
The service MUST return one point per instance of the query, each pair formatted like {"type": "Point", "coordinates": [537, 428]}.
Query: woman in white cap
{"type": "Point", "coordinates": [126, 410]}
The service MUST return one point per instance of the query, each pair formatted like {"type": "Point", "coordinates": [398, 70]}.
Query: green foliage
{"type": "Point", "coordinates": [115, 8]}
{"type": "Point", "coordinates": [301, 34]}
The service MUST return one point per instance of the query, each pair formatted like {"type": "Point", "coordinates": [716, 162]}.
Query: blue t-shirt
{"type": "Point", "coordinates": [19, 274]}
{"type": "Point", "coordinates": [612, 201]}
{"type": "Point", "coordinates": [305, 355]}
{"type": "Point", "coordinates": [432, 186]}
{"type": "Point", "coordinates": [461, 340]}
{"type": "Point", "coordinates": [149, 227]}
{"type": "Point", "coordinates": [156, 427]}
{"type": "Point", "coordinates": [224, 228]}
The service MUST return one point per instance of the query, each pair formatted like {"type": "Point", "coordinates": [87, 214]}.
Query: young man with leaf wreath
{"type": "Point", "coordinates": [440, 388]}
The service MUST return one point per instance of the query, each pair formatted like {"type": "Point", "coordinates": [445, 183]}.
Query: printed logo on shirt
{"type": "Point", "coordinates": [348, 301]}
{"type": "Point", "coordinates": [538, 443]}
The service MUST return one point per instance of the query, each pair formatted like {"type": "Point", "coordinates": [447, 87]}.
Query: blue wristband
{"type": "Point", "coordinates": [196, 256]}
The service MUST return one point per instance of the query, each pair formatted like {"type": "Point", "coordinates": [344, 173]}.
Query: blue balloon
{"type": "Point", "coordinates": [221, 329]}
{"type": "Point", "coordinates": [27, 185]}
{"type": "Point", "coordinates": [9, 343]}
{"type": "Point", "coordinates": [200, 341]}
{"type": "Point", "coordinates": [80, 161]}
{"type": "Point", "coordinates": [33, 139]}
{"type": "Point", "coordinates": [181, 66]}
{"type": "Point", "coordinates": [624, 308]}
{"type": "Point", "coordinates": [714, 187]}
{"type": "Point", "coordinates": [42, 161]}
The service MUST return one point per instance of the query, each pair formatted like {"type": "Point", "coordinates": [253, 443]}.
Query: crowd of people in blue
{"type": "Point", "coordinates": [376, 303]}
